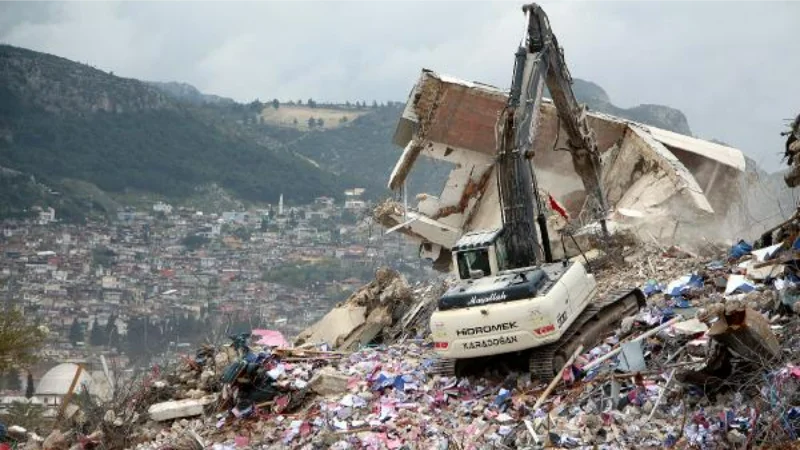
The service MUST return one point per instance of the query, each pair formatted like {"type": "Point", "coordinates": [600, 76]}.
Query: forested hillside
{"type": "Point", "coordinates": [60, 119]}
{"type": "Point", "coordinates": [70, 134]}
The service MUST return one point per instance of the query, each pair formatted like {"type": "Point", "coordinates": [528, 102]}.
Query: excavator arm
{"type": "Point", "coordinates": [572, 115]}
{"type": "Point", "coordinates": [540, 60]}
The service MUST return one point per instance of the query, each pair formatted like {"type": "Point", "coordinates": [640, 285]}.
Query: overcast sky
{"type": "Point", "coordinates": [731, 67]}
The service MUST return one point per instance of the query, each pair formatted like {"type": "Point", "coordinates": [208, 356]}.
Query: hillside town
{"type": "Point", "coordinates": [158, 281]}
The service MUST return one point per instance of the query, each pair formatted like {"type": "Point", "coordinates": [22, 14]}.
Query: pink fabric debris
{"type": "Point", "coordinates": [271, 338]}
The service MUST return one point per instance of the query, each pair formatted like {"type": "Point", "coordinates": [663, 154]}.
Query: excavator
{"type": "Point", "coordinates": [511, 297]}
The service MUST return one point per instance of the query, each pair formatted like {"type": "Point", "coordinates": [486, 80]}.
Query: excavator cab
{"type": "Point", "coordinates": [480, 254]}
{"type": "Point", "coordinates": [474, 264]}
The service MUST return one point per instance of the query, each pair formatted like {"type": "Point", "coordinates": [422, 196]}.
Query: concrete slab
{"type": "Point", "coordinates": [690, 327]}
{"type": "Point", "coordinates": [176, 409]}
{"type": "Point", "coordinates": [378, 319]}
{"type": "Point", "coordinates": [747, 332]}
{"type": "Point", "coordinates": [328, 381]}
{"type": "Point", "coordinates": [335, 326]}
{"type": "Point", "coordinates": [632, 357]}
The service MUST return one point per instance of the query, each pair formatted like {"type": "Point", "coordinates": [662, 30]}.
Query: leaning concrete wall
{"type": "Point", "coordinates": [452, 120]}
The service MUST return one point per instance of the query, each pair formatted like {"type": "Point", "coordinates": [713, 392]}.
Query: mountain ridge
{"type": "Point", "coordinates": [596, 98]}
{"type": "Point", "coordinates": [186, 92]}
{"type": "Point", "coordinates": [62, 120]}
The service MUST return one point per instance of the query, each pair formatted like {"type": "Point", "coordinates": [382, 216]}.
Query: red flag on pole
{"type": "Point", "coordinates": [554, 205]}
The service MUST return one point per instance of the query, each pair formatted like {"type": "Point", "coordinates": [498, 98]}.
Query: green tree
{"type": "Point", "coordinates": [320, 122]}
{"type": "Point", "coordinates": [312, 103]}
{"type": "Point", "coordinates": [137, 330]}
{"type": "Point", "coordinates": [19, 340]}
{"type": "Point", "coordinates": [145, 337]}
{"type": "Point", "coordinates": [103, 256]}
{"type": "Point", "coordinates": [110, 325]}
{"type": "Point", "coordinates": [343, 119]}
{"type": "Point", "coordinates": [29, 386]}
{"type": "Point", "coordinates": [113, 338]}
{"type": "Point", "coordinates": [11, 381]}
{"type": "Point", "coordinates": [14, 382]}
{"type": "Point", "coordinates": [194, 242]}
{"type": "Point", "coordinates": [76, 332]}
{"type": "Point", "coordinates": [25, 414]}
{"type": "Point", "coordinates": [311, 122]}
{"type": "Point", "coordinates": [294, 218]}
{"type": "Point", "coordinates": [242, 233]}
{"type": "Point", "coordinates": [275, 103]}
{"type": "Point", "coordinates": [97, 337]}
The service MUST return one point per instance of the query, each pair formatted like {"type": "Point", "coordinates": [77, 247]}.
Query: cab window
{"type": "Point", "coordinates": [477, 259]}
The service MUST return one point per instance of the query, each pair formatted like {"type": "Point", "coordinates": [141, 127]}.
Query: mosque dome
{"type": "Point", "coordinates": [58, 380]}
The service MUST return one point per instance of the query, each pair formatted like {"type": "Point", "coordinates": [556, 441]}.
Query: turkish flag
{"type": "Point", "coordinates": [554, 205]}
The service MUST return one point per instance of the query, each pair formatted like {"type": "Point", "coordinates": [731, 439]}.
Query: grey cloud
{"type": "Point", "coordinates": [727, 65]}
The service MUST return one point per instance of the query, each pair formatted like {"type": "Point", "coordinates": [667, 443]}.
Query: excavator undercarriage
{"type": "Point", "coordinates": [600, 319]}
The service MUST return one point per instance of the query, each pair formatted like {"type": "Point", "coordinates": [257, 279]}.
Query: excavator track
{"type": "Point", "coordinates": [600, 317]}
{"type": "Point", "coordinates": [443, 367]}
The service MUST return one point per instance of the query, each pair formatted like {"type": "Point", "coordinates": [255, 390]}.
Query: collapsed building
{"type": "Point", "coordinates": [650, 175]}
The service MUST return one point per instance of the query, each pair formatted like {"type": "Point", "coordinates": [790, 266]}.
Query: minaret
{"type": "Point", "coordinates": [280, 206]}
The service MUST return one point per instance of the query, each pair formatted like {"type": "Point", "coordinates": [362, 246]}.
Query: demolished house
{"type": "Point", "coordinates": [650, 175]}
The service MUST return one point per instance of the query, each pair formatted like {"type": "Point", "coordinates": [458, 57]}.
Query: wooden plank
{"type": "Point", "coordinates": [65, 401]}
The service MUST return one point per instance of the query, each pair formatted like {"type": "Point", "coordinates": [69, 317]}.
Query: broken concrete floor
{"type": "Point", "coordinates": [654, 179]}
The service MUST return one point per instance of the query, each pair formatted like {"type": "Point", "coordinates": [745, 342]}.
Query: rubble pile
{"type": "Point", "coordinates": [360, 318]}
{"type": "Point", "coordinates": [643, 265]}
{"type": "Point", "coordinates": [713, 361]}
{"type": "Point", "coordinates": [386, 310]}
{"type": "Point", "coordinates": [415, 323]}
{"type": "Point", "coordinates": [792, 177]}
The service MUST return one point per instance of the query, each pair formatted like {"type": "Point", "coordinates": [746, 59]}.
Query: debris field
{"type": "Point", "coordinates": [712, 361]}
